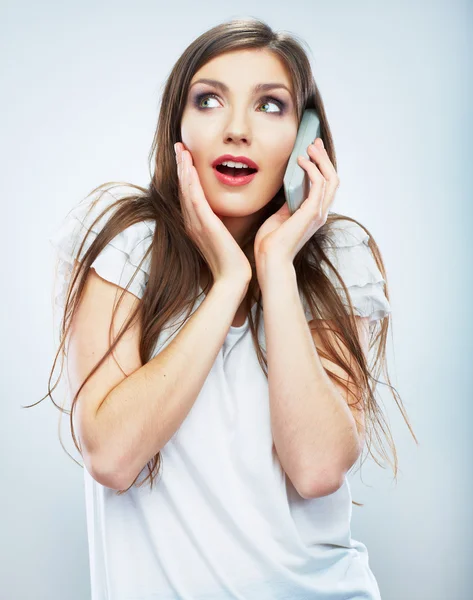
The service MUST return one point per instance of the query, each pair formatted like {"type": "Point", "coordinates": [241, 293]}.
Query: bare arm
{"type": "Point", "coordinates": [143, 412]}
{"type": "Point", "coordinates": [137, 417]}
{"type": "Point", "coordinates": [314, 430]}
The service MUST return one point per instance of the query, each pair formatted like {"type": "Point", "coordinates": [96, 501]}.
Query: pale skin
{"type": "Point", "coordinates": [317, 436]}
{"type": "Point", "coordinates": [240, 122]}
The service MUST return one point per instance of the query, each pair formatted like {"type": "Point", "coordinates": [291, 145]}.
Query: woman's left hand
{"type": "Point", "coordinates": [282, 235]}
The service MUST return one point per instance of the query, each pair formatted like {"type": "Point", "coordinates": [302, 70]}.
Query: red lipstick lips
{"type": "Point", "coordinates": [229, 179]}
{"type": "Point", "coordinates": [243, 159]}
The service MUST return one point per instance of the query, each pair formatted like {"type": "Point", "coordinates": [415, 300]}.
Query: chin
{"type": "Point", "coordinates": [227, 210]}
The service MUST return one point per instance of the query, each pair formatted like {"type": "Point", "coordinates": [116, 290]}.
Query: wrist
{"type": "Point", "coordinates": [238, 285]}
{"type": "Point", "coordinates": [276, 273]}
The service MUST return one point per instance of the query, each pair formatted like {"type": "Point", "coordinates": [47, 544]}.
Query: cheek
{"type": "Point", "coordinates": [281, 156]}
{"type": "Point", "coordinates": [197, 142]}
{"type": "Point", "coordinates": [281, 148]}
{"type": "Point", "coordinates": [193, 135]}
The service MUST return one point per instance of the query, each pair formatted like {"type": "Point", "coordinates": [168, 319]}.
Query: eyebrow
{"type": "Point", "coordinates": [259, 87]}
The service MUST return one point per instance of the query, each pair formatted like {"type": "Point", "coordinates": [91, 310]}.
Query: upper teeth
{"type": "Point", "coordinates": [237, 165]}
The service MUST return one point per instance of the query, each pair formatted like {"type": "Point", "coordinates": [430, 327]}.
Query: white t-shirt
{"type": "Point", "coordinates": [222, 521]}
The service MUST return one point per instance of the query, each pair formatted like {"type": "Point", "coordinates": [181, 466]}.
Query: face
{"type": "Point", "coordinates": [235, 119]}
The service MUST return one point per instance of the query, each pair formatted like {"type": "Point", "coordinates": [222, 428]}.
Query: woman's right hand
{"type": "Point", "coordinates": [223, 254]}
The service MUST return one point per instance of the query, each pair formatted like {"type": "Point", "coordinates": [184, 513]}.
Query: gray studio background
{"type": "Point", "coordinates": [79, 104]}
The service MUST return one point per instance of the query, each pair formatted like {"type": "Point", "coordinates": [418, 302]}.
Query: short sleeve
{"type": "Point", "coordinates": [348, 250]}
{"type": "Point", "coordinates": [118, 260]}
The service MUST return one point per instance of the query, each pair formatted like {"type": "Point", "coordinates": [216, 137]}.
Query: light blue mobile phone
{"type": "Point", "coordinates": [296, 180]}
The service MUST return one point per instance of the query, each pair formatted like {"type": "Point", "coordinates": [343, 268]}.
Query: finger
{"type": "Point", "coordinates": [198, 209]}
{"type": "Point", "coordinates": [321, 158]}
{"type": "Point", "coordinates": [180, 177]}
{"type": "Point", "coordinates": [314, 202]}
{"type": "Point", "coordinates": [300, 225]}
{"type": "Point", "coordinates": [178, 148]}
{"type": "Point", "coordinates": [184, 189]}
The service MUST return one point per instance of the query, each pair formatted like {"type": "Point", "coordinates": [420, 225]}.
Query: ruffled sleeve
{"type": "Point", "coordinates": [348, 250]}
{"type": "Point", "coordinates": [118, 260]}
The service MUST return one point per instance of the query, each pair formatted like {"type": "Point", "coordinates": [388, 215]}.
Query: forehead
{"type": "Point", "coordinates": [245, 68]}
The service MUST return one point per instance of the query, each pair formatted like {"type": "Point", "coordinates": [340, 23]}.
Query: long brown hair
{"type": "Point", "coordinates": [169, 291]}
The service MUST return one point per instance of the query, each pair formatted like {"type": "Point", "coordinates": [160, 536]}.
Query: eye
{"type": "Point", "coordinates": [278, 103]}
{"type": "Point", "coordinates": [264, 101]}
{"type": "Point", "coordinates": [201, 97]}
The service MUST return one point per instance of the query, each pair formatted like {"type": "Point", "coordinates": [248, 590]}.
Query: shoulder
{"type": "Point", "coordinates": [122, 256]}
{"type": "Point", "coordinates": [343, 232]}
{"type": "Point", "coordinates": [91, 215]}
{"type": "Point", "coordinates": [347, 247]}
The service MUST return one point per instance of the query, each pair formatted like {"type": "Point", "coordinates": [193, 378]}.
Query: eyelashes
{"type": "Point", "coordinates": [282, 105]}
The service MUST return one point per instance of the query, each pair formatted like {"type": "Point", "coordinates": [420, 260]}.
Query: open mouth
{"type": "Point", "coordinates": [234, 171]}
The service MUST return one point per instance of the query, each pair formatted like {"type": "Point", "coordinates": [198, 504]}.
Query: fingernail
{"type": "Point", "coordinates": [175, 149]}
{"type": "Point", "coordinates": [320, 142]}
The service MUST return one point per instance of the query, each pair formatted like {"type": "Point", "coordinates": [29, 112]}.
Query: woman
{"type": "Point", "coordinates": [252, 419]}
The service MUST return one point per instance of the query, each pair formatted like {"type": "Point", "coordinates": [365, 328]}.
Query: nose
{"type": "Point", "coordinates": [237, 137]}
{"type": "Point", "coordinates": [237, 130]}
